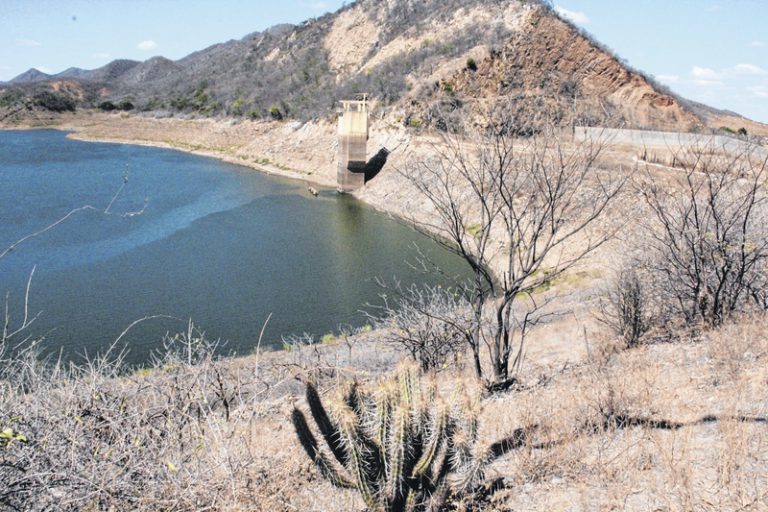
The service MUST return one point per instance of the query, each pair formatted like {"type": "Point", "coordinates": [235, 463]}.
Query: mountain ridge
{"type": "Point", "coordinates": [412, 57]}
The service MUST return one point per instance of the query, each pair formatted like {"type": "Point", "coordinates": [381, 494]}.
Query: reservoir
{"type": "Point", "coordinates": [164, 233]}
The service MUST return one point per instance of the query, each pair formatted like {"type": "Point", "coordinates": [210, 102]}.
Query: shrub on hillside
{"type": "Point", "coordinates": [107, 106]}
{"type": "Point", "coordinates": [125, 105]}
{"type": "Point", "coordinates": [99, 436]}
{"type": "Point", "coordinates": [54, 101]}
{"type": "Point", "coordinates": [275, 113]}
{"type": "Point", "coordinates": [428, 323]}
{"type": "Point", "coordinates": [625, 309]}
{"type": "Point", "coordinates": [11, 97]}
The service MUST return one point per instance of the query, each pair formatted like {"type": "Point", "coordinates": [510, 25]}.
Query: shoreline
{"type": "Point", "coordinates": [388, 197]}
{"type": "Point", "coordinates": [244, 143]}
{"type": "Point", "coordinates": [263, 168]}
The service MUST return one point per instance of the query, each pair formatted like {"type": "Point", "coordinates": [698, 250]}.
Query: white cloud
{"type": "Point", "coordinates": [28, 42]}
{"type": "Point", "coordinates": [668, 79]}
{"type": "Point", "coordinates": [749, 69]}
{"type": "Point", "coordinates": [759, 91]}
{"type": "Point", "coordinates": [704, 73]}
{"type": "Point", "coordinates": [577, 17]}
{"type": "Point", "coordinates": [757, 44]}
{"type": "Point", "coordinates": [147, 45]}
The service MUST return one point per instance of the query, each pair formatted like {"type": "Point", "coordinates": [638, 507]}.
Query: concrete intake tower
{"type": "Point", "coordinates": [353, 144]}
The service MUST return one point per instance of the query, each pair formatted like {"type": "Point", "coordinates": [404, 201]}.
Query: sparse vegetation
{"type": "Point", "coordinates": [11, 97]}
{"type": "Point", "coordinates": [430, 323]}
{"type": "Point", "coordinates": [97, 436]}
{"type": "Point", "coordinates": [54, 101]}
{"type": "Point", "coordinates": [709, 244]}
{"type": "Point", "coordinates": [108, 106]}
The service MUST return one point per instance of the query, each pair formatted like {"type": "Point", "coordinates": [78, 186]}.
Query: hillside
{"type": "Point", "coordinates": [414, 58]}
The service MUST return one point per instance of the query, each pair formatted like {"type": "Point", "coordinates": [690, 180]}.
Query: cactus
{"type": "Point", "coordinates": [402, 447]}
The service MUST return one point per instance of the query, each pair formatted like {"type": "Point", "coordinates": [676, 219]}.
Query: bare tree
{"type": "Point", "coordinates": [710, 241]}
{"type": "Point", "coordinates": [517, 211]}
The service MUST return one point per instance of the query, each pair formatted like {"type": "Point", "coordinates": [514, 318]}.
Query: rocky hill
{"type": "Point", "coordinates": [30, 76]}
{"type": "Point", "coordinates": [416, 58]}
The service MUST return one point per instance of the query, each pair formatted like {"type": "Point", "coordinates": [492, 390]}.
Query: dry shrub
{"type": "Point", "coordinates": [663, 427]}
{"type": "Point", "coordinates": [174, 436]}
{"type": "Point", "coordinates": [707, 245]}
{"type": "Point", "coordinates": [429, 323]}
{"type": "Point", "coordinates": [626, 308]}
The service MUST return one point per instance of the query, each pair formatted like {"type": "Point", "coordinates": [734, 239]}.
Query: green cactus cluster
{"type": "Point", "coordinates": [402, 446]}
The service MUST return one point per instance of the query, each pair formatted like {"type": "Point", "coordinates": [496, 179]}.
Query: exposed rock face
{"type": "Point", "coordinates": [550, 61]}
{"type": "Point", "coordinates": [349, 41]}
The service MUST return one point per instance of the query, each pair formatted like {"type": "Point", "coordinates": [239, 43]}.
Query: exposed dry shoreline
{"type": "Point", "coordinates": [272, 148]}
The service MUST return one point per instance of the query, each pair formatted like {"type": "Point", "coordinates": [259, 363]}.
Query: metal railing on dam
{"type": "Point", "coordinates": [666, 140]}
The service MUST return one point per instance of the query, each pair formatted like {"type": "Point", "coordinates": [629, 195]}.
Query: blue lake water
{"type": "Point", "coordinates": [220, 244]}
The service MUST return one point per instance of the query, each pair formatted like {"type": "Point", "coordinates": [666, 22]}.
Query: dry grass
{"type": "Point", "coordinates": [661, 427]}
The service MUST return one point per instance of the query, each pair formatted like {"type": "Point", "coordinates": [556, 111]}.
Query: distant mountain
{"type": "Point", "coordinates": [415, 58]}
{"type": "Point", "coordinates": [112, 71]}
{"type": "Point", "coordinates": [109, 73]}
{"type": "Point", "coordinates": [30, 76]}
{"type": "Point", "coordinates": [77, 73]}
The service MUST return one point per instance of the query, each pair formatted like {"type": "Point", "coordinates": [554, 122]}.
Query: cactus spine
{"type": "Point", "coordinates": [401, 446]}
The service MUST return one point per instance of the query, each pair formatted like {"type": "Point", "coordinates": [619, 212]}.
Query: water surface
{"type": "Point", "coordinates": [186, 237]}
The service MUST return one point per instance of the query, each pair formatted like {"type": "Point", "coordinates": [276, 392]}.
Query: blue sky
{"type": "Point", "coordinates": [713, 51]}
